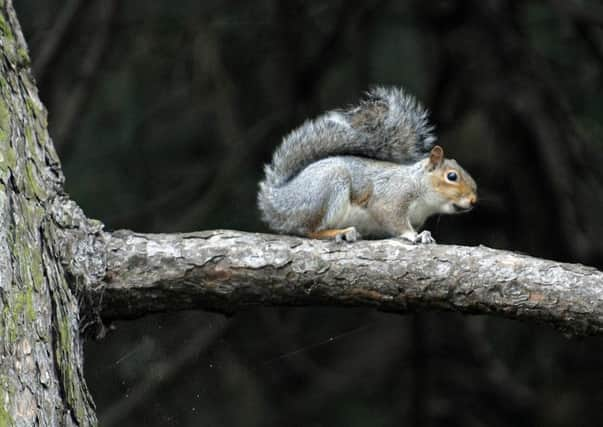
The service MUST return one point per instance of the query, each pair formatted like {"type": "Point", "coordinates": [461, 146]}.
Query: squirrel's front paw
{"type": "Point", "coordinates": [347, 235]}
{"type": "Point", "coordinates": [425, 237]}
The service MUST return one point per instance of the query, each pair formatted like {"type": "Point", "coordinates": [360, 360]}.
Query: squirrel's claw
{"type": "Point", "coordinates": [348, 235]}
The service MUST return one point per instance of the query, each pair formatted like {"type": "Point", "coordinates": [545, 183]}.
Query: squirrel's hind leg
{"type": "Point", "coordinates": [339, 234]}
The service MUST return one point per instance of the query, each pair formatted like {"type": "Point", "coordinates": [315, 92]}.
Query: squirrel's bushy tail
{"type": "Point", "coordinates": [388, 124]}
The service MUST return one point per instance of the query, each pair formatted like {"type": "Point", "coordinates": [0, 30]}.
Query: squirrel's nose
{"type": "Point", "coordinates": [473, 200]}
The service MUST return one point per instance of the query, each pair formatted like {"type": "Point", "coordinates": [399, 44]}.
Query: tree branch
{"type": "Point", "coordinates": [226, 271]}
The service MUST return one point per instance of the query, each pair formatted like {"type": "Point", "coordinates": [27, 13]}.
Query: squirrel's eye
{"type": "Point", "coordinates": [452, 176]}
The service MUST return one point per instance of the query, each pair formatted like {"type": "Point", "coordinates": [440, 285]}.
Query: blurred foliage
{"type": "Point", "coordinates": [164, 113]}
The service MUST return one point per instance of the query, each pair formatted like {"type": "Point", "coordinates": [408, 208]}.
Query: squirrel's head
{"type": "Point", "coordinates": [452, 184]}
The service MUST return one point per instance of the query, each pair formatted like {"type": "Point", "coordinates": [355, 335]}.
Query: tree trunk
{"type": "Point", "coordinates": [41, 371]}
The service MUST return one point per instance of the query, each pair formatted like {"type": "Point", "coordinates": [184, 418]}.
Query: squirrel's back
{"type": "Point", "coordinates": [388, 124]}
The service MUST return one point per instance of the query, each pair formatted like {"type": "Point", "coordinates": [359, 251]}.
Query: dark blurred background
{"type": "Point", "coordinates": [164, 112]}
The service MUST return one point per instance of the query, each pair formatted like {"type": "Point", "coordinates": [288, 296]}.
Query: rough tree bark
{"type": "Point", "coordinates": [59, 270]}
{"type": "Point", "coordinates": [41, 375]}
{"type": "Point", "coordinates": [225, 270]}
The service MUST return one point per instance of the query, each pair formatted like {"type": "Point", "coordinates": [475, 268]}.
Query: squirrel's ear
{"type": "Point", "coordinates": [436, 157]}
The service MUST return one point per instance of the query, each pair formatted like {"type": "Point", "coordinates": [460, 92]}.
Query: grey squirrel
{"type": "Point", "coordinates": [372, 170]}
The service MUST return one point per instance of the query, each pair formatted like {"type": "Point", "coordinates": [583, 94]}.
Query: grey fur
{"type": "Point", "coordinates": [364, 167]}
